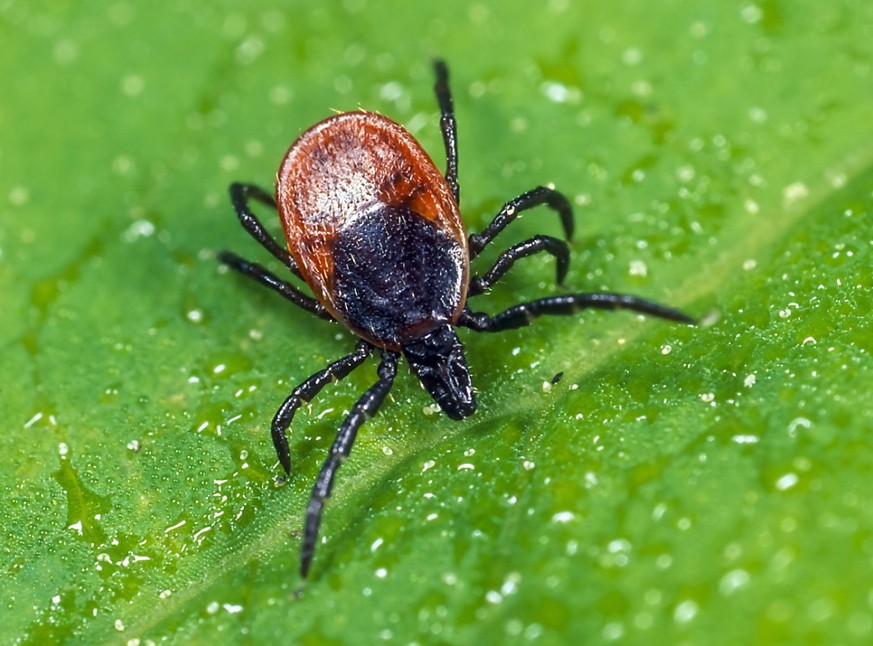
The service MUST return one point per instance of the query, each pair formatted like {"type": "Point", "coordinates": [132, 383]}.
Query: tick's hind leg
{"type": "Point", "coordinates": [364, 408]}
{"type": "Point", "coordinates": [240, 195]}
{"type": "Point", "coordinates": [337, 370]}
{"type": "Point", "coordinates": [511, 210]}
{"type": "Point", "coordinates": [269, 279]}
{"type": "Point", "coordinates": [448, 126]}
{"type": "Point", "coordinates": [524, 313]}
{"type": "Point", "coordinates": [555, 246]}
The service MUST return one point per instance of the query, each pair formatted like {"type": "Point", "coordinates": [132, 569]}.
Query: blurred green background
{"type": "Point", "coordinates": [678, 485]}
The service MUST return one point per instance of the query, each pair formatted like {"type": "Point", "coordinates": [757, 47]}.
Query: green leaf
{"type": "Point", "coordinates": [679, 484]}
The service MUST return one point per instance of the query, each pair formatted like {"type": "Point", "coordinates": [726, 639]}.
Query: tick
{"type": "Point", "coordinates": [374, 230]}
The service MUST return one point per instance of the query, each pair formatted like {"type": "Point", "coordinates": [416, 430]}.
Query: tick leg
{"type": "Point", "coordinates": [269, 279]}
{"type": "Point", "coordinates": [240, 195]}
{"type": "Point", "coordinates": [555, 246]}
{"type": "Point", "coordinates": [364, 408]}
{"type": "Point", "coordinates": [447, 125]}
{"type": "Point", "coordinates": [337, 370]}
{"type": "Point", "coordinates": [540, 195]}
{"type": "Point", "coordinates": [524, 314]}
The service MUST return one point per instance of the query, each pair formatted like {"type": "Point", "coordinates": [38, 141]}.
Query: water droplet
{"type": "Point", "coordinates": [563, 517]}
{"type": "Point", "coordinates": [733, 581]}
{"type": "Point", "coordinates": [786, 481]}
{"type": "Point", "coordinates": [685, 611]}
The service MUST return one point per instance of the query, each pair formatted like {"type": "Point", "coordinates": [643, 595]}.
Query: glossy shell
{"type": "Point", "coordinates": [374, 228]}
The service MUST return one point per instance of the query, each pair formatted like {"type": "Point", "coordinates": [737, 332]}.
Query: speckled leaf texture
{"type": "Point", "coordinates": [695, 485]}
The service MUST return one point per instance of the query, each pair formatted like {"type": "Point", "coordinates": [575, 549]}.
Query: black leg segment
{"type": "Point", "coordinates": [269, 279]}
{"type": "Point", "coordinates": [336, 371]}
{"type": "Point", "coordinates": [448, 126]}
{"type": "Point", "coordinates": [524, 314]}
{"type": "Point", "coordinates": [540, 195]}
{"type": "Point", "coordinates": [364, 408]}
{"type": "Point", "coordinates": [240, 195]}
{"type": "Point", "coordinates": [555, 246]}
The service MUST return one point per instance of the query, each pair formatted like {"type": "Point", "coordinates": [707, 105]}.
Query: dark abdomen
{"type": "Point", "coordinates": [397, 275]}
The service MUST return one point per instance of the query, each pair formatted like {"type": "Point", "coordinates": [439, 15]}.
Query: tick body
{"type": "Point", "coordinates": [374, 230]}
{"type": "Point", "coordinates": [364, 211]}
